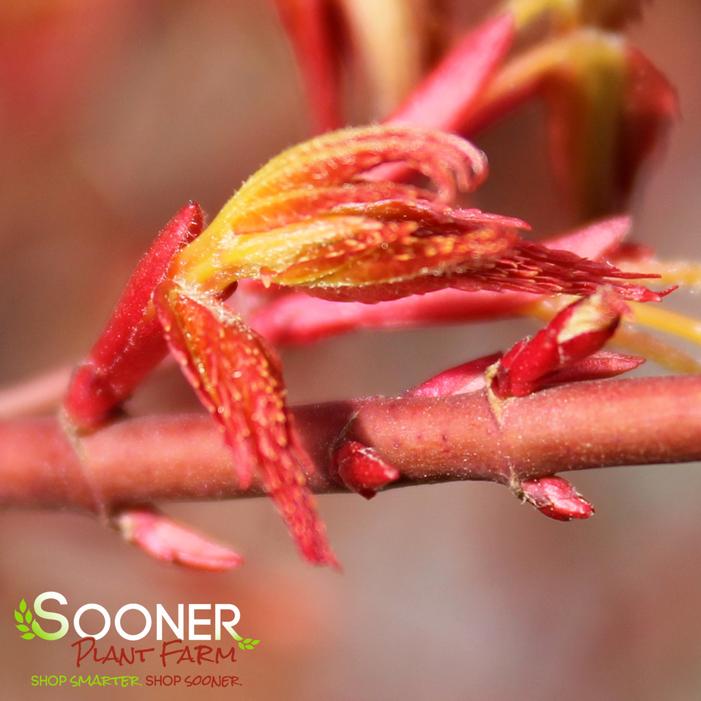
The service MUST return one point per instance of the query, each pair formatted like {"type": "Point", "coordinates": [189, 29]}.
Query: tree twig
{"type": "Point", "coordinates": [161, 458]}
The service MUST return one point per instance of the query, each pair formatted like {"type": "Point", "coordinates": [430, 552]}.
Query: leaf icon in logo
{"type": "Point", "coordinates": [244, 643]}
{"type": "Point", "coordinates": [23, 618]}
{"type": "Point", "coordinates": [248, 643]}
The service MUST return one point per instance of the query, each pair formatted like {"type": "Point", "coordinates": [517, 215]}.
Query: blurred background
{"type": "Point", "coordinates": [113, 113]}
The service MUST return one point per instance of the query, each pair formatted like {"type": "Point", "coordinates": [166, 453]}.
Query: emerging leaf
{"type": "Point", "coordinates": [132, 343]}
{"type": "Point", "coordinates": [575, 333]}
{"type": "Point", "coordinates": [239, 381]}
{"type": "Point", "coordinates": [306, 220]}
{"type": "Point", "coordinates": [169, 541]}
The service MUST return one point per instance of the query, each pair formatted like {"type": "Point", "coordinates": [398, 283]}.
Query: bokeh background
{"type": "Point", "coordinates": [115, 112]}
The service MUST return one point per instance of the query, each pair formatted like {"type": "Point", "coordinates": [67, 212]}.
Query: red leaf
{"type": "Point", "coordinates": [576, 332]}
{"type": "Point", "coordinates": [132, 343]}
{"type": "Point", "coordinates": [468, 377]}
{"type": "Point", "coordinates": [450, 93]}
{"type": "Point", "coordinates": [298, 318]}
{"type": "Point", "coordinates": [238, 380]}
{"type": "Point", "coordinates": [598, 366]}
{"type": "Point", "coordinates": [165, 539]}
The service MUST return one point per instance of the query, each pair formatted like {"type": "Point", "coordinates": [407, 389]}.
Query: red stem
{"type": "Point", "coordinates": [570, 427]}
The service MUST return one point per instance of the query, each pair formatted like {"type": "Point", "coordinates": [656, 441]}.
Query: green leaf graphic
{"type": "Point", "coordinates": [244, 643]}
{"type": "Point", "coordinates": [248, 643]}
{"type": "Point", "coordinates": [24, 617]}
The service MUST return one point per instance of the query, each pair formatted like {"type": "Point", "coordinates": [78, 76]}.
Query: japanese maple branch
{"type": "Point", "coordinates": [570, 427]}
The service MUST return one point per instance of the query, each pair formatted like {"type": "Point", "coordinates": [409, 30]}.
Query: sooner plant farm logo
{"type": "Point", "coordinates": [26, 621]}
{"type": "Point", "coordinates": [194, 634]}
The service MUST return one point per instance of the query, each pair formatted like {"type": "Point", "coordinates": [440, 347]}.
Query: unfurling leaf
{"type": "Point", "coordinates": [239, 381]}
{"type": "Point", "coordinates": [576, 333]}
{"type": "Point", "coordinates": [306, 220]}
{"type": "Point", "coordinates": [169, 541]}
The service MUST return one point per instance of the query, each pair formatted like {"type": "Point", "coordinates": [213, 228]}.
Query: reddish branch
{"type": "Point", "coordinates": [570, 427]}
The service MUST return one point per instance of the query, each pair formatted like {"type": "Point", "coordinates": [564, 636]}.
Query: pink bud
{"type": "Point", "coordinates": [556, 498]}
{"type": "Point", "coordinates": [575, 333]}
{"type": "Point", "coordinates": [167, 540]}
{"type": "Point", "coordinates": [362, 470]}
{"type": "Point", "coordinates": [597, 366]}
